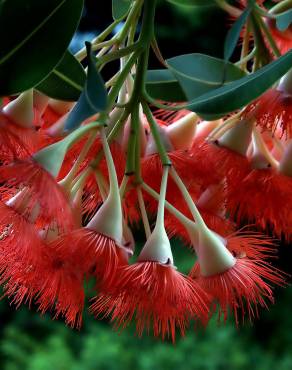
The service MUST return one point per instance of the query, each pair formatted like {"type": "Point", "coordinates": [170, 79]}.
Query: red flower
{"type": "Point", "coordinates": [264, 198]}
{"type": "Point", "coordinates": [40, 190]}
{"type": "Point", "coordinates": [167, 117]}
{"type": "Point", "coordinates": [243, 287]}
{"type": "Point", "coordinates": [94, 253]}
{"type": "Point", "coordinates": [16, 142]}
{"type": "Point", "coordinates": [52, 282]}
{"type": "Point", "coordinates": [218, 224]}
{"type": "Point", "coordinates": [59, 285]}
{"type": "Point", "coordinates": [156, 296]}
{"type": "Point", "coordinates": [214, 163]}
{"type": "Point", "coordinates": [273, 110]}
{"type": "Point", "coordinates": [19, 239]}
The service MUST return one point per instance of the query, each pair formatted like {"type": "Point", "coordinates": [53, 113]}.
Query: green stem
{"type": "Point", "coordinates": [118, 54]}
{"type": "Point", "coordinates": [66, 182]}
{"type": "Point", "coordinates": [192, 207]}
{"type": "Point", "coordinates": [133, 153]}
{"type": "Point", "coordinates": [121, 79]}
{"type": "Point", "coordinates": [232, 10]}
{"type": "Point", "coordinates": [268, 35]}
{"type": "Point", "coordinates": [132, 16]}
{"type": "Point", "coordinates": [161, 203]}
{"type": "Point", "coordinates": [244, 48]}
{"type": "Point", "coordinates": [242, 62]}
{"type": "Point", "coordinates": [101, 183]}
{"type": "Point", "coordinates": [143, 212]}
{"type": "Point", "coordinates": [114, 191]}
{"type": "Point", "coordinates": [173, 108]}
{"type": "Point", "coordinates": [79, 184]}
{"type": "Point", "coordinates": [81, 54]}
{"type": "Point", "coordinates": [111, 136]}
{"type": "Point", "coordinates": [263, 12]}
{"type": "Point", "coordinates": [281, 7]}
{"type": "Point", "coordinates": [154, 130]}
{"type": "Point", "coordinates": [176, 213]}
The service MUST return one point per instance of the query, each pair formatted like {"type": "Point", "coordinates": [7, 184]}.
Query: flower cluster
{"type": "Point", "coordinates": [69, 200]}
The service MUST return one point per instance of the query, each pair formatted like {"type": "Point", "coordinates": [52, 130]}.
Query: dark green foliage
{"type": "Point", "coordinates": [31, 41]}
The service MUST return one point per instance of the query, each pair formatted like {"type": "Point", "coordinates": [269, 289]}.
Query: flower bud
{"type": "Point", "coordinates": [181, 132]}
{"type": "Point", "coordinates": [20, 110]}
{"type": "Point", "coordinates": [238, 137]}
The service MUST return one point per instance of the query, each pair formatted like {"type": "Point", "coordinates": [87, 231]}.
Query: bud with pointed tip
{"type": "Point", "coordinates": [151, 146]}
{"type": "Point", "coordinates": [157, 248]}
{"type": "Point", "coordinates": [20, 110]}
{"type": "Point", "coordinates": [285, 84]}
{"type": "Point", "coordinates": [262, 157]}
{"type": "Point", "coordinates": [108, 220]}
{"type": "Point", "coordinates": [20, 202]}
{"type": "Point", "coordinates": [40, 102]}
{"type": "Point", "coordinates": [238, 137]}
{"type": "Point", "coordinates": [57, 128]}
{"type": "Point", "coordinates": [206, 128]}
{"type": "Point", "coordinates": [182, 132]}
{"type": "Point", "coordinates": [214, 258]}
{"type": "Point", "coordinates": [61, 107]}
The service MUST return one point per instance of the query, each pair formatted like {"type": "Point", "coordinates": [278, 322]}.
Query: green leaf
{"type": "Point", "coordinates": [192, 2]}
{"type": "Point", "coordinates": [284, 20]}
{"type": "Point", "coordinates": [161, 84]}
{"type": "Point", "coordinates": [120, 8]}
{"type": "Point", "coordinates": [93, 98]}
{"type": "Point", "coordinates": [34, 37]}
{"type": "Point", "coordinates": [199, 73]}
{"type": "Point", "coordinates": [237, 94]}
{"type": "Point", "coordinates": [234, 33]}
{"type": "Point", "coordinates": [66, 81]}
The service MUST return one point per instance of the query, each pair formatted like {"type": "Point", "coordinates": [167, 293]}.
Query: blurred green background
{"type": "Point", "coordinates": [29, 341]}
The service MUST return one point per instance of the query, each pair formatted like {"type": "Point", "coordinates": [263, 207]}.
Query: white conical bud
{"type": "Point", "coordinates": [213, 256]}
{"type": "Point", "coordinates": [238, 137]}
{"type": "Point", "coordinates": [157, 248]}
{"type": "Point", "coordinates": [20, 201]}
{"type": "Point", "coordinates": [20, 110]}
{"type": "Point", "coordinates": [151, 145]}
{"type": "Point", "coordinates": [206, 128]}
{"type": "Point", "coordinates": [40, 101]}
{"type": "Point", "coordinates": [57, 129]}
{"type": "Point", "coordinates": [285, 84]}
{"type": "Point", "coordinates": [60, 107]}
{"type": "Point", "coordinates": [108, 220]}
{"type": "Point", "coordinates": [182, 132]}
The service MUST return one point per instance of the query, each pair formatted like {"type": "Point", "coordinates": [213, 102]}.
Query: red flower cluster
{"type": "Point", "coordinates": [64, 223]}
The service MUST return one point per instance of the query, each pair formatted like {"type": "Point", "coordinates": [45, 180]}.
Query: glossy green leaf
{"type": "Point", "coordinates": [192, 2]}
{"type": "Point", "coordinates": [284, 20]}
{"type": "Point", "coordinates": [161, 84]}
{"type": "Point", "coordinates": [120, 8]}
{"type": "Point", "coordinates": [234, 34]}
{"type": "Point", "coordinates": [66, 81]}
{"type": "Point", "coordinates": [93, 98]}
{"type": "Point", "coordinates": [199, 73]}
{"type": "Point", "coordinates": [237, 94]}
{"type": "Point", "coordinates": [34, 37]}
